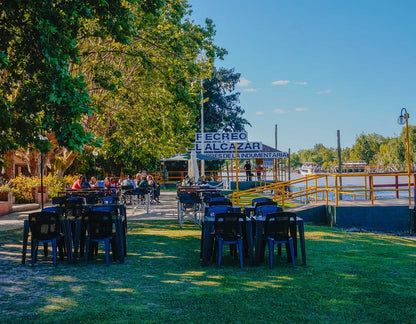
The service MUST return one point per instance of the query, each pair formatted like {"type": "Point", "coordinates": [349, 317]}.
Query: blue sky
{"type": "Point", "coordinates": [317, 66]}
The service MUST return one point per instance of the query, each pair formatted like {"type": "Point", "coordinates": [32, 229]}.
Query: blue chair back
{"type": "Point", "coordinates": [214, 210]}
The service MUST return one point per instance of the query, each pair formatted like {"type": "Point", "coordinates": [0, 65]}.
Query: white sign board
{"type": "Point", "coordinates": [229, 147]}
{"type": "Point", "coordinates": [222, 137]}
{"type": "Point", "coordinates": [249, 155]}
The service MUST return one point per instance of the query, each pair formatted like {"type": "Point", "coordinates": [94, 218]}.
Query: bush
{"type": "Point", "coordinates": [22, 186]}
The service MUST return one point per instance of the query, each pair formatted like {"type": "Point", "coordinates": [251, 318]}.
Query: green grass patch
{"type": "Point", "coordinates": [349, 277]}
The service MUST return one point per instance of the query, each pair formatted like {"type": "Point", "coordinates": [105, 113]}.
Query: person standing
{"type": "Point", "coordinates": [247, 167]}
{"type": "Point", "coordinates": [259, 171]}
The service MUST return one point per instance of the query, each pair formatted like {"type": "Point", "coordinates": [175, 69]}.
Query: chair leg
{"type": "Point", "coordinates": [220, 241]}
{"type": "Point", "coordinates": [107, 251]}
{"type": "Point", "coordinates": [54, 252]}
{"type": "Point", "coordinates": [240, 251]}
{"type": "Point", "coordinates": [292, 252]}
{"type": "Point", "coordinates": [271, 251]}
{"type": "Point", "coordinates": [34, 250]}
{"type": "Point", "coordinates": [87, 248]}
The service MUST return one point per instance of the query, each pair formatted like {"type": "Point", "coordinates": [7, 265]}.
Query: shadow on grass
{"type": "Point", "coordinates": [350, 277]}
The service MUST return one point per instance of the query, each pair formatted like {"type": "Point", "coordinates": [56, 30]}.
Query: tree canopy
{"type": "Point", "coordinates": [120, 71]}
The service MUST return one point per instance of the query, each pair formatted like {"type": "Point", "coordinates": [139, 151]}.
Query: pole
{"type": "Point", "coordinates": [41, 178]}
{"type": "Point", "coordinates": [202, 129]}
{"type": "Point", "coordinates": [339, 160]}
{"type": "Point", "coordinates": [408, 156]}
{"type": "Point", "coordinates": [236, 169]}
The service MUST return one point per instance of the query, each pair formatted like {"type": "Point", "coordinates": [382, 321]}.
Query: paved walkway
{"type": "Point", "coordinates": [167, 209]}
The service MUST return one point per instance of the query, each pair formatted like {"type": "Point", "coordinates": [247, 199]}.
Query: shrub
{"type": "Point", "coordinates": [23, 186]}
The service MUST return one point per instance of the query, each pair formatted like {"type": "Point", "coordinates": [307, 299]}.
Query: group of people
{"type": "Point", "coordinates": [187, 181]}
{"type": "Point", "coordinates": [142, 183]}
{"type": "Point", "coordinates": [249, 174]}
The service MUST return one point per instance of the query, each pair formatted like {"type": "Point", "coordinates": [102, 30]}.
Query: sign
{"type": "Point", "coordinates": [249, 155]}
{"type": "Point", "coordinates": [222, 137]}
{"type": "Point", "coordinates": [228, 147]}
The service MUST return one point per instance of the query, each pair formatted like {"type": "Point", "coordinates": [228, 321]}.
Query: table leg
{"type": "Point", "coordinates": [119, 238]}
{"type": "Point", "coordinates": [68, 239]}
{"type": "Point", "coordinates": [302, 240]}
{"type": "Point", "coordinates": [206, 242]}
{"type": "Point", "coordinates": [25, 238]}
{"type": "Point", "coordinates": [258, 242]}
{"type": "Point", "coordinates": [77, 234]}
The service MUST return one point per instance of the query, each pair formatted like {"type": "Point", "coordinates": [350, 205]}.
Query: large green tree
{"type": "Point", "coordinates": [222, 110]}
{"type": "Point", "coordinates": [38, 42]}
{"type": "Point", "coordinates": [124, 71]}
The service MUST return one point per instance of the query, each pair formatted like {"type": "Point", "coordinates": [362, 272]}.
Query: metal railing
{"type": "Point", "coordinates": [330, 188]}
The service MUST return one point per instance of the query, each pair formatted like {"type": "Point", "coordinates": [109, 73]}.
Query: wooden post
{"type": "Point", "coordinates": [236, 170]}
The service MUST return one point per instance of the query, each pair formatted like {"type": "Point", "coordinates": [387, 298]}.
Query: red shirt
{"type": "Point", "coordinates": [77, 184]}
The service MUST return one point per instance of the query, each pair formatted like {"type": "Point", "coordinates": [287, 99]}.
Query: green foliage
{"type": "Point", "coordinates": [22, 186]}
{"type": "Point", "coordinates": [366, 147]}
{"type": "Point", "coordinates": [38, 42]}
{"type": "Point", "coordinates": [145, 91]}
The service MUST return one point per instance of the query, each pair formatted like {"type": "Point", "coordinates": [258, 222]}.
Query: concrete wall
{"type": "Point", "coordinates": [397, 219]}
{"type": "Point", "coordinates": [372, 218]}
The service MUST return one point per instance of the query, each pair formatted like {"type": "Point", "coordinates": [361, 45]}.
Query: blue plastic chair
{"type": "Point", "coordinates": [229, 230]}
{"type": "Point", "coordinates": [277, 232]}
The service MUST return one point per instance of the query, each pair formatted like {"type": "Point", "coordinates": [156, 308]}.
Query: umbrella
{"type": "Point", "coordinates": [193, 167]}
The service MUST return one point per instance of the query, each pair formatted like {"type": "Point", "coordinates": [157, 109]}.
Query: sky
{"type": "Point", "coordinates": [313, 67]}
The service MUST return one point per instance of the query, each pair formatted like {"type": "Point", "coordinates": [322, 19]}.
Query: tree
{"type": "Point", "coordinates": [222, 111]}
{"type": "Point", "coordinates": [366, 147]}
{"type": "Point", "coordinates": [38, 42]}
{"type": "Point", "coordinates": [120, 71]}
{"type": "Point", "coordinates": [144, 91]}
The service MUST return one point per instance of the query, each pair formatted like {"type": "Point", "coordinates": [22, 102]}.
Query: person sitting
{"type": "Point", "coordinates": [93, 182]}
{"type": "Point", "coordinates": [77, 183]}
{"type": "Point", "coordinates": [143, 187]}
{"type": "Point", "coordinates": [129, 182]}
{"type": "Point", "coordinates": [201, 181]}
{"type": "Point", "coordinates": [100, 184]}
{"type": "Point", "coordinates": [155, 188]}
{"type": "Point", "coordinates": [84, 183]}
{"type": "Point", "coordinates": [187, 181]}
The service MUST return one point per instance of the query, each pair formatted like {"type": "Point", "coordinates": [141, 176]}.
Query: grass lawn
{"type": "Point", "coordinates": [350, 278]}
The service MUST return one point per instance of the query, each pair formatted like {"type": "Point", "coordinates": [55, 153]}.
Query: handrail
{"type": "Point", "coordinates": [306, 188]}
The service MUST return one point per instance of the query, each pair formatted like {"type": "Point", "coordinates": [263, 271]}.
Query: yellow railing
{"type": "Point", "coordinates": [318, 188]}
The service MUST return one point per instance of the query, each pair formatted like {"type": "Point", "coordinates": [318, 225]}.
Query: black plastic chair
{"type": "Point", "coordinates": [228, 229]}
{"type": "Point", "coordinates": [45, 227]}
{"type": "Point", "coordinates": [100, 229]}
{"type": "Point", "coordinates": [276, 230]}
{"type": "Point", "coordinates": [255, 201]}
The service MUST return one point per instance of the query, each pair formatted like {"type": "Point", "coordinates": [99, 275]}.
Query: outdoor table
{"type": "Point", "coordinates": [207, 239]}
{"type": "Point", "coordinates": [259, 237]}
{"type": "Point", "coordinates": [120, 224]}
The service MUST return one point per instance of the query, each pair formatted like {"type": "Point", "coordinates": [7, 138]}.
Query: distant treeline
{"type": "Point", "coordinates": [374, 149]}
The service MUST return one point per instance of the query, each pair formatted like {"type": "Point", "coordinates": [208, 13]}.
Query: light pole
{"type": "Point", "coordinates": [95, 153]}
{"type": "Point", "coordinates": [404, 119]}
{"type": "Point", "coordinates": [200, 59]}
